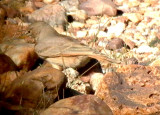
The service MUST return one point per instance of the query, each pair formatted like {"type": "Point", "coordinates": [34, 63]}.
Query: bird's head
{"type": "Point", "coordinates": [40, 29]}
{"type": "Point", "coordinates": [37, 27]}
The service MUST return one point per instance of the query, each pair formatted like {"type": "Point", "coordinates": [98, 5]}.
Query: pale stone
{"type": "Point", "coordinates": [102, 34]}
{"type": "Point", "coordinates": [77, 25]}
{"type": "Point", "coordinates": [155, 62]}
{"type": "Point", "coordinates": [103, 44]}
{"type": "Point", "coordinates": [79, 15]}
{"type": "Point", "coordinates": [98, 7]}
{"type": "Point", "coordinates": [116, 29]}
{"type": "Point", "coordinates": [146, 49]}
{"type": "Point", "coordinates": [48, 1]}
{"type": "Point", "coordinates": [132, 3]}
{"type": "Point", "coordinates": [71, 73]}
{"type": "Point", "coordinates": [95, 80]}
{"type": "Point", "coordinates": [70, 5]}
{"type": "Point", "coordinates": [134, 17]}
{"type": "Point", "coordinates": [81, 34]}
{"type": "Point", "coordinates": [152, 14]}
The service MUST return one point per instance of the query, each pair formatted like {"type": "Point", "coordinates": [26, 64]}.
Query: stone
{"type": "Point", "coordinates": [53, 14]}
{"type": "Point", "coordinates": [95, 80]}
{"type": "Point", "coordinates": [36, 89]}
{"type": "Point", "coordinates": [130, 43]}
{"type": "Point", "coordinates": [50, 1]}
{"type": "Point", "coordinates": [76, 24]}
{"type": "Point", "coordinates": [114, 44]}
{"type": "Point", "coordinates": [3, 14]}
{"type": "Point", "coordinates": [6, 64]}
{"type": "Point", "coordinates": [146, 49]}
{"type": "Point", "coordinates": [131, 60]}
{"type": "Point", "coordinates": [38, 3]}
{"type": "Point", "coordinates": [78, 15]}
{"type": "Point", "coordinates": [10, 11]}
{"type": "Point", "coordinates": [155, 62]}
{"type": "Point", "coordinates": [79, 105]}
{"type": "Point", "coordinates": [20, 52]}
{"type": "Point", "coordinates": [6, 80]}
{"type": "Point", "coordinates": [133, 3]}
{"type": "Point", "coordinates": [152, 14]}
{"type": "Point", "coordinates": [81, 34]}
{"type": "Point", "coordinates": [116, 29]}
{"type": "Point", "coordinates": [104, 7]}
{"type": "Point", "coordinates": [131, 90]}
{"type": "Point", "coordinates": [74, 83]}
{"type": "Point", "coordinates": [70, 5]}
{"type": "Point", "coordinates": [134, 17]}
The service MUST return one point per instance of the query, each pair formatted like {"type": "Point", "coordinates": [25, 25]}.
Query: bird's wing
{"type": "Point", "coordinates": [62, 45]}
{"type": "Point", "coordinates": [66, 47]}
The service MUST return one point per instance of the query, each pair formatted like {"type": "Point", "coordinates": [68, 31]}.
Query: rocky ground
{"type": "Point", "coordinates": [124, 30]}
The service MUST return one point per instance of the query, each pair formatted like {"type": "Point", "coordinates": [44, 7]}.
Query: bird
{"type": "Point", "coordinates": [62, 51]}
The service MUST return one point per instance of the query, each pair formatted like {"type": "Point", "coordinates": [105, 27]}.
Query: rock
{"type": "Point", "coordinates": [79, 105]}
{"type": "Point", "coordinates": [76, 24]}
{"type": "Point", "coordinates": [78, 15]}
{"type": "Point", "coordinates": [132, 90]}
{"type": "Point", "coordinates": [36, 89]}
{"type": "Point", "coordinates": [21, 53]}
{"type": "Point", "coordinates": [95, 80]}
{"type": "Point", "coordinates": [134, 17]}
{"type": "Point", "coordinates": [38, 3]}
{"type": "Point", "coordinates": [74, 83]}
{"type": "Point", "coordinates": [71, 7]}
{"type": "Point", "coordinates": [103, 44]}
{"type": "Point", "coordinates": [116, 43]}
{"type": "Point", "coordinates": [85, 79]}
{"type": "Point", "coordinates": [133, 3]}
{"type": "Point", "coordinates": [50, 1]}
{"type": "Point", "coordinates": [81, 34]}
{"type": "Point", "coordinates": [155, 62]}
{"type": "Point", "coordinates": [131, 60]}
{"type": "Point", "coordinates": [10, 11]}
{"type": "Point", "coordinates": [152, 14]}
{"type": "Point", "coordinates": [6, 64]}
{"type": "Point", "coordinates": [130, 43]}
{"type": "Point", "coordinates": [6, 79]}
{"type": "Point", "coordinates": [116, 30]}
{"type": "Point", "coordinates": [53, 14]}
{"type": "Point", "coordinates": [3, 14]}
{"type": "Point", "coordinates": [104, 7]}
{"type": "Point", "coordinates": [146, 49]}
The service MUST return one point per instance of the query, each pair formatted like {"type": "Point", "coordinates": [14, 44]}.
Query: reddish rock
{"type": "Point", "coordinates": [6, 79]}
{"type": "Point", "coordinates": [79, 105]}
{"type": "Point", "coordinates": [3, 14]}
{"type": "Point", "coordinates": [115, 43]}
{"type": "Point", "coordinates": [38, 3]}
{"type": "Point", "coordinates": [132, 90]}
{"type": "Point", "coordinates": [10, 12]}
{"type": "Point", "coordinates": [20, 52]}
{"type": "Point", "coordinates": [6, 64]}
{"type": "Point", "coordinates": [36, 89]}
{"type": "Point", "coordinates": [131, 60]}
{"type": "Point", "coordinates": [130, 43]}
{"type": "Point", "coordinates": [98, 7]}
